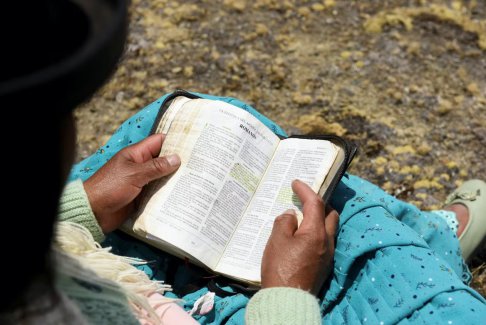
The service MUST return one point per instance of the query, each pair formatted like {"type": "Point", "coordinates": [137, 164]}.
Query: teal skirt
{"type": "Point", "coordinates": [393, 262]}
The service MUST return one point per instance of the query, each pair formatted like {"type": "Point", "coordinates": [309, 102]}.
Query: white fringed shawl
{"type": "Point", "coordinates": [76, 242]}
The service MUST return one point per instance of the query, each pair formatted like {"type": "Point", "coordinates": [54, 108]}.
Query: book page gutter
{"type": "Point", "coordinates": [304, 159]}
{"type": "Point", "coordinates": [224, 155]}
{"type": "Point", "coordinates": [169, 146]}
{"type": "Point", "coordinates": [170, 114]}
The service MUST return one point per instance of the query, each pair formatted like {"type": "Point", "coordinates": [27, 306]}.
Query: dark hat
{"type": "Point", "coordinates": [56, 53]}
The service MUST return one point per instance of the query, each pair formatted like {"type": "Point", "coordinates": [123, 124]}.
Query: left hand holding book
{"type": "Point", "coordinates": [112, 191]}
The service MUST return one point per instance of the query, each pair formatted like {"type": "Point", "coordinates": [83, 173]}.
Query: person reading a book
{"type": "Point", "coordinates": [392, 262]}
{"type": "Point", "coordinates": [370, 280]}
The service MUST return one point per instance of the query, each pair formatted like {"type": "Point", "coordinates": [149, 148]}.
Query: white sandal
{"type": "Point", "coordinates": [471, 194]}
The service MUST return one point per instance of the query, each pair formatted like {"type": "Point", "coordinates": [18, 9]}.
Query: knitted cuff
{"type": "Point", "coordinates": [74, 207]}
{"type": "Point", "coordinates": [283, 306]}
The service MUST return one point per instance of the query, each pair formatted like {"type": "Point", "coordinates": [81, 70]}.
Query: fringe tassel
{"type": "Point", "coordinates": [77, 242]}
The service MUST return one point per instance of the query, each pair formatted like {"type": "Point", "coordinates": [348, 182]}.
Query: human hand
{"type": "Point", "coordinates": [113, 188]}
{"type": "Point", "coordinates": [301, 257]}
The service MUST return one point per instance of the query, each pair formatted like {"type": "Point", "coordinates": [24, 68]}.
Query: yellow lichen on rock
{"type": "Point", "coordinates": [445, 177]}
{"type": "Point", "coordinates": [410, 170]}
{"type": "Point", "coordinates": [375, 24]}
{"type": "Point", "coordinates": [403, 15]}
{"type": "Point", "coordinates": [301, 99]}
{"type": "Point", "coordinates": [459, 99]}
{"type": "Point", "coordinates": [445, 106]}
{"type": "Point", "coordinates": [188, 71]}
{"type": "Point", "coordinates": [423, 149]}
{"type": "Point", "coordinates": [380, 161]}
{"type": "Point", "coordinates": [387, 186]}
{"type": "Point", "coordinates": [238, 5]}
{"type": "Point", "coordinates": [318, 7]}
{"type": "Point", "coordinates": [451, 164]}
{"type": "Point", "coordinates": [456, 5]}
{"type": "Point", "coordinates": [425, 183]}
{"type": "Point", "coordinates": [393, 166]}
{"type": "Point", "coordinates": [316, 124]}
{"type": "Point", "coordinates": [402, 150]}
{"type": "Point", "coordinates": [473, 88]}
{"type": "Point", "coordinates": [159, 83]}
{"type": "Point", "coordinates": [329, 3]}
{"type": "Point", "coordinates": [304, 11]}
{"type": "Point", "coordinates": [421, 196]}
{"type": "Point", "coordinates": [261, 29]}
{"type": "Point", "coordinates": [379, 170]}
{"type": "Point", "coordinates": [185, 12]}
{"type": "Point", "coordinates": [413, 48]}
{"type": "Point", "coordinates": [346, 54]}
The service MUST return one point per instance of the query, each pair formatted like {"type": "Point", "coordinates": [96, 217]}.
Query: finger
{"type": "Point", "coordinates": [157, 168]}
{"type": "Point", "coordinates": [285, 224]}
{"type": "Point", "coordinates": [146, 149]}
{"type": "Point", "coordinates": [312, 207]}
{"type": "Point", "coordinates": [332, 220]}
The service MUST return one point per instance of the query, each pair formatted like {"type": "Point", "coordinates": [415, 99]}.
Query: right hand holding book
{"type": "Point", "coordinates": [301, 257]}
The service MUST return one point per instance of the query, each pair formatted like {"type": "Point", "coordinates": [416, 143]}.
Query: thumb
{"type": "Point", "coordinates": [156, 168]}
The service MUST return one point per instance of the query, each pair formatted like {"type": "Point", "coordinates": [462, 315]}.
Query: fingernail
{"type": "Point", "coordinates": [290, 211]}
{"type": "Point", "coordinates": [173, 160]}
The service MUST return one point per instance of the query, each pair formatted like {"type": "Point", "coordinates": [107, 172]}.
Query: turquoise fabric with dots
{"type": "Point", "coordinates": [393, 263]}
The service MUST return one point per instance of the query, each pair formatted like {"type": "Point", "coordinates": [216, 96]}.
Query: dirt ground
{"type": "Point", "coordinates": [406, 80]}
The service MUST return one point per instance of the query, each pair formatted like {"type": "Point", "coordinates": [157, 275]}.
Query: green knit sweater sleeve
{"type": "Point", "coordinates": [74, 206]}
{"type": "Point", "coordinates": [283, 306]}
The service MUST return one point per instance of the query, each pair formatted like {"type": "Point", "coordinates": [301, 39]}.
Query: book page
{"type": "Point", "coordinates": [224, 152]}
{"type": "Point", "coordinates": [305, 159]}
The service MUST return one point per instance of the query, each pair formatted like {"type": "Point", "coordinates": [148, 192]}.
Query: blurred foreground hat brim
{"type": "Point", "coordinates": [57, 53]}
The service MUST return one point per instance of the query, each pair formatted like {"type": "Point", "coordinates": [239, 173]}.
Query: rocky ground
{"type": "Point", "coordinates": [406, 80]}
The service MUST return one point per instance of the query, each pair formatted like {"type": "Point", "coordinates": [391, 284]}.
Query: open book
{"type": "Point", "coordinates": [218, 209]}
